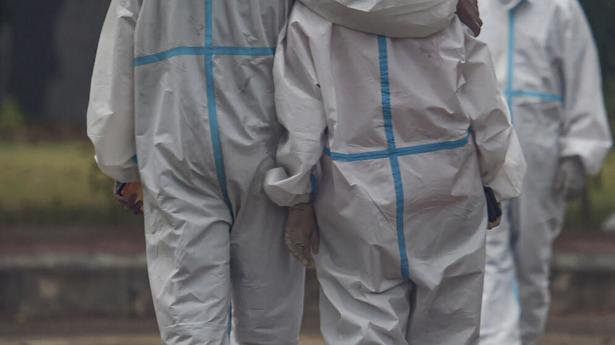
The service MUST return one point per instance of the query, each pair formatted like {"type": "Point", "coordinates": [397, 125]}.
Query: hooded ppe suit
{"type": "Point", "coordinates": [547, 65]}
{"type": "Point", "coordinates": [182, 100]}
{"type": "Point", "coordinates": [395, 139]}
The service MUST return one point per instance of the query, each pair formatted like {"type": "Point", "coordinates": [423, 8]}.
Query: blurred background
{"type": "Point", "coordinates": [72, 266]}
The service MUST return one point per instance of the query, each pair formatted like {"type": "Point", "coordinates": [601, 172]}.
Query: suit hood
{"type": "Point", "coordinates": [392, 18]}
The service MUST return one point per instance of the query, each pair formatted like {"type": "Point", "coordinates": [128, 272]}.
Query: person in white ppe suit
{"type": "Point", "coordinates": [548, 69]}
{"type": "Point", "coordinates": [182, 103]}
{"type": "Point", "coordinates": [392, 140]}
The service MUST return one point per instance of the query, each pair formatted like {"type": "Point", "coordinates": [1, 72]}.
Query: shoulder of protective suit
{"type": "Point", "coordinates": [564, 7]}
{"type": "Point", "coordinates": [564, 12]}
{"type": "Point", "coordinates": [306, 20]}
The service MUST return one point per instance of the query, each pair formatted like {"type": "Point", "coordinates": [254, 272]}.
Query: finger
{"type": "Point", "coordinates": [494, 224]}
{"type": "Point", "coordinates": [294, 248]}
{"type": "Point", "coordinates": [307, 254]}
{"type": "Point", "coordinates": [137, 208]}
{"type": "Point", "coordinates": [476, 29]}
{"type": "Point", "coordinates": [128, 202]}
{"type": "Point", "coordinates": [296, 253]}
{"type": "Point", "coordinates": [475, 25]}
{"type": "Point", "coordinates": [315, 241]}
{"type": "Point", "coordinates": [288, 242]}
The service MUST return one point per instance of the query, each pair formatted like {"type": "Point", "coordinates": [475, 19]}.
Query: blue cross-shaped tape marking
{"type": "Point", "coordinates": [208, 51]}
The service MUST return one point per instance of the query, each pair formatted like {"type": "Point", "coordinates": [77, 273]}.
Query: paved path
{"type": "Point", "coordinates": [150, 339]}
{"type": "Point", "coordinates": [581, 329]}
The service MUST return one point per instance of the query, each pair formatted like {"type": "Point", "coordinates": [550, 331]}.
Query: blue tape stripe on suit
{"type": "Point", "coordinates": [511, 62]}
{"type": "Point", "coordinates": [149, 59]}
{"type": "Point", "coordinates": [385, 90]}
{"type": "Point", "coordinates": [401, 151]}
{"type": "Point", "coordinates": [203, 51]}
{"type": "Point", "coordinates": [353, 157]}
{"type": "Point", "coordinates": [214, 131]}
{"type": "Point", "coordinates": [314, 190]}
{"type": "Point", "coordinates": [547, 96]}
{"type": "Point", "coordinates": [229, 325]}
{"type": "Point", "coordinates": [241, 51]}
{"type": "Point", "coordinates": [213, 111]}
{"type": "Point", "coordinates": [445, 145]}
{"type": "Point", "coordinates": [209, 23]}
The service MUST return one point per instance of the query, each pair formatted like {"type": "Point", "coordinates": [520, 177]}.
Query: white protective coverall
{"type": "Point", "coordinates": [547, 65]}
{"type": "Point", "coordinates": [185, 89]}
{"type": "Point", "coordinates": [411, 131]}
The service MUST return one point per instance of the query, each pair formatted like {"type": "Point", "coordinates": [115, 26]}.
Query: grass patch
{"type": "Point", "coordinates": [58, 183]}
{"type": "Point", "coordinates": [55, 183]}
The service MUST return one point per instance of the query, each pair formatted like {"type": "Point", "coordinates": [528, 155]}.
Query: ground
{"type": "Point", "coordinates": [586, 329]}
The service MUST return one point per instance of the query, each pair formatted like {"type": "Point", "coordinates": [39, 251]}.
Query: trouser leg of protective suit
{"type": "Point", "coordinates": [267, 282]}
{"type": "Point", "coordinates": [188, 238]}
{"type": "Point", "coordinates": [351, 314]}
{"type": "Point", "coordinates": [360, 305]}
{"type": "Point", "coordinates": [400, 314]}
{"type": "Point", "coordinates": [533, 250]}
{"type": "Point", "coordinates": [196, 262]}
{"type": "Point", "coordinates": [448, 314]}
{"type": "Point", "coordinates": [500, 311]}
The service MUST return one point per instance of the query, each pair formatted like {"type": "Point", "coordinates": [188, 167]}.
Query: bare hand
{"type": "Point", "coordinates": [467, 11]}
{"type": "Point", "coordinates": [301, 233]}
{"type": "Point", "coordinates": [130, 195]}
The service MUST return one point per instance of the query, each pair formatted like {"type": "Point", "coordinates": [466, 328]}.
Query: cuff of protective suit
{"type": "Point", "coordinates": [284, 190]}
{"type": "Point", "coordinates": [592, 154]}
{"type": "Point", "coordinates": [123, 174]}
{"type": "Point", "coordinates": [507, 185]}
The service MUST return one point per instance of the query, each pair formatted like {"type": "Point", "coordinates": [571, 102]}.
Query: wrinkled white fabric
{"type": "Point", "coordinates": [399, 189]}
{"type": "Point", "coordinates": [393, 18]}
{"type": "Point", "coordinates": [182, 100]}
{"type": "Point", "coordinates": [547, 65]}
{"type": "Point", "coordinates": [500, 293]}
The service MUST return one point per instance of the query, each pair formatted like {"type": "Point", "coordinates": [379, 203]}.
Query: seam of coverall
{"type": "Point", "coordinates": [510, 92]}
{"type": "Point", "coordinates": [392, 153]}
{"type": "Point", "coordinates": [209, 51]}
{"type": "Point", "coordinates": [385, 92]}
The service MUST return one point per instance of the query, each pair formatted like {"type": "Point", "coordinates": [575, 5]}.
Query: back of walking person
{"type": "Point", "coordinates": [548, 69]}
{"type": "Point", "coordinates": [412, 130]}
{"type": "Point", "coordinates": [182, 104]}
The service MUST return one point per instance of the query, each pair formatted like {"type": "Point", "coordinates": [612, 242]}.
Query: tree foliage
{"type": "Point", "coordinates": [600, 14]}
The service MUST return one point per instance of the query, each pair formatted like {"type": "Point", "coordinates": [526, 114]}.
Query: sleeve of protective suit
{"type": "Point", "coordinates": [300, 110]}
{"type": "Point", "coordinates": [585, 129]}
{"type": "Point", "coordinates": [501, 160]}
{"type": "Point", "coordinates": [110, 119]}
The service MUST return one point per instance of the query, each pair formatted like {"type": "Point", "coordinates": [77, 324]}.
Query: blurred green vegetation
{"type": "Point", "coordinates": [58, 183]}
{"type": "Point", "coordinates": [12, 119]}
{"type": "Point", "coordinates": [55, 183]}
{"type": "Point", "coordinates": [600, 200]}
